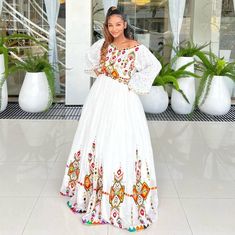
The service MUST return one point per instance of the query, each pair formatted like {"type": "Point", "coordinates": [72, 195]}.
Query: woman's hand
{"type": "Point", "coordinates": [97, 72]}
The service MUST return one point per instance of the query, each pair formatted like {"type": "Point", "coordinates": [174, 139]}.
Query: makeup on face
{"type": "Point", "coordinates": [116, 26]}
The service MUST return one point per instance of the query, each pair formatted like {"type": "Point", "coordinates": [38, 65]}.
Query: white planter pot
{"type": "Point", "coordinates": [218, 100]}
{"type": "Point", "coordinates": [156, 101]}
{"type": "Point", "coordinates": [187, 85]}
{"type": "Point", "coordinates": [3, 88]}
{"type": "Point", "coordinates": [168, 89]}
{"type": "Point", "coordinates": [35, 95]}
{"type": "Point", "coordinates": [230, 85]}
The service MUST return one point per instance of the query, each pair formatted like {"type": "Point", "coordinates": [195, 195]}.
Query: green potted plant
{"type": "Point", "coordinates": [6, 43]}
{"type": "Point", "coordinates": [187, 49]}
{"type": "Point", "coordinates": [184, 54]}
{"type": "Point", "coordinates": [37, 91]}
{"type": "Point", "coordinates": [157, 100]}
{"type": "Point", "coordinates": [213, 96]}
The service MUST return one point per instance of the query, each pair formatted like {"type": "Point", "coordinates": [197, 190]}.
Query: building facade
{"type": "Point", "coordinates": [155, 23]}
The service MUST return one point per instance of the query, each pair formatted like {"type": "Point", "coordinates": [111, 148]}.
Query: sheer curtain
{"type": "Point", "coordinates": [1, 6]}
{"type": "Point", "coordinates": [52, 9]}
{"type": "Point", "coordinates": [108, 3]}
{"type": "Point", "coordinates": [176, 12]}
{"type": "Point", "coordinates": [234, 83]}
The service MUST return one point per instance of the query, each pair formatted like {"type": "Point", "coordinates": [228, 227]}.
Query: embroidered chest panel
{"type": "Point", "coordinates": [120, 64]}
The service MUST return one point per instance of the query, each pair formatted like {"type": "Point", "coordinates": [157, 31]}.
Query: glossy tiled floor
{"type": "Point", "coordinates": [195, 166]}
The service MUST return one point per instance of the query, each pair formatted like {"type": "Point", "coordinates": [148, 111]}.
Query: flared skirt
{"type": "Point", "coordinates": [110, 175]}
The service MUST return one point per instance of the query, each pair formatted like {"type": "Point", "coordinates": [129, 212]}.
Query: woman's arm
{"type": "Point", "coordinates": [148, 68]}
{"type": "Point", "coordinates": [92, 59]}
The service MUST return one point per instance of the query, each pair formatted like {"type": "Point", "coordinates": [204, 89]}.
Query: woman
{"type": "Point", "coordinates": [110, 172]}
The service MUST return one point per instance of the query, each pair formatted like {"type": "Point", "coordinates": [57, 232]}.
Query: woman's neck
{"type": "Point", "coordinates": [120, 40]}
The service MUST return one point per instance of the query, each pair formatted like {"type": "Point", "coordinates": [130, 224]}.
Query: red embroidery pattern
{"type": "Point", "coordinates": [116, 60]}
{"type": "Point", "coordinates": [116, 197]}
{"type": "Point", "coordinates": [93, 192]}
{"type": "Point", "coordinates": [140, 192]}
{"type": "Point", "coordinates": [73, 173]}
{"type": "Point", "coordinates": [88, 180]}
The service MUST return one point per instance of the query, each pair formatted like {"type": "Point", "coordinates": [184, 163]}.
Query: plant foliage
{"type": "Point", "coordinates": [188, 49]}
{"type": "Point", "coordinates": [35, 64]}
{"type": "Point", "coordinates": [5, 49]}
{"type": "Point", "coordinates": [169, 76]}
{"type": "Point", "coordinates": [211, 65]}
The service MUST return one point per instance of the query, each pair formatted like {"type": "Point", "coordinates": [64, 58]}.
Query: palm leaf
{"type": "Point", "coordinates": [188, 49]}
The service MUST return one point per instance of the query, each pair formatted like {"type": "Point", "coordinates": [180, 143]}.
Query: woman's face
{"type": "Point", "coordinates": [116, 26]}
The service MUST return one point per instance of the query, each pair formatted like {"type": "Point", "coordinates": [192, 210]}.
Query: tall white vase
{"type": "Point", "coordinates": [187, 85]}
{"type": "Point", "coordinates": [218, 100]}
{"type": "Point", "coordinates": [3, 87]}
{"type": "Point", "coordinates": [35, 95]}
{"type": "Point", "coordinates": [156, 101]}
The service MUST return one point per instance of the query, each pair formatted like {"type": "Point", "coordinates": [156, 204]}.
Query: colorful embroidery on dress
{"type": "Point", "coordinates": [73, 173]}
{"type": "Point", "coordinates": [140, 193]}
{"type": "Point", "coordinates": [116, 62]}
{"type": "Point", "coordinates": [116, 197]}
{"type": "Point", "coordinates": [93, 192]}
{"type": "Point", "coordinates": [88, 180]}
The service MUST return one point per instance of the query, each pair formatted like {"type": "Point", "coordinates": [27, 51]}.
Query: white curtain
{"type": "Point", "coordinates": [176, 11]}
{"type": "Point", "coordinates": [1, 6]}
{"type": "Point", "coordinates": [52, 9]}
{"type": "Point", "coordinates": [109, 3]}
{"type": "Point", "coordinates": [234, 83]}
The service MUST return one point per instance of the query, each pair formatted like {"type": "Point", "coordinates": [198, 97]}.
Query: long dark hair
{"type": "Point", "coordinates": [107, 36]}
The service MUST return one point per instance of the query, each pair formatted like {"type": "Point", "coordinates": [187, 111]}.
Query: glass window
{"type": "Point", "coordinates": [34, 11]}
{"type": "Point", "coordinates": [149, 20]}
{"type": "Point", "coordinates": [227, 30]}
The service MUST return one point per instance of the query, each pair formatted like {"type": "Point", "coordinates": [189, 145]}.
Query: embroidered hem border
{"type": "Point", "coordinates": [106, 193]}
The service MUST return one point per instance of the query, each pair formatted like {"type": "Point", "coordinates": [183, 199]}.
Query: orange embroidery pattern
{"type": "Point", "coordinates": [116, 197]}
{"type": "Point", "coordinates": [115, 59]}
{"type": "Point", "coordinates": [140, 192]}
{"type": "Point", "coordinates": [93, 181]}
{"type": "Point", "coordinates": [73, 173]}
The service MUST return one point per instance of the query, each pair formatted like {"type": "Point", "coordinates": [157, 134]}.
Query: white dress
{"type": "Point", "coordinates": [110, 174]}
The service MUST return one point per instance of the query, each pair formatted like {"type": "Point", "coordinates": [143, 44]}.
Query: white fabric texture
{"type": "Point", "coordinates": [110, 172]}
{"type": "Point", "coordinates": [176, 12]}
{"type": "Point", "coordinates": [1, 6]}
{"type": "Point", "coordinates": [147, 67]}
{"type": "Point", "coordinates": [92, 59]}
{"type": "Point", "coordinates": [52, 9]}
{"type": "Point", "coordinates": [109, 3]}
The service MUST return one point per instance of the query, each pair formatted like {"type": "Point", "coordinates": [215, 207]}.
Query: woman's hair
{"type": "Point", "coordinates": [107, 36]}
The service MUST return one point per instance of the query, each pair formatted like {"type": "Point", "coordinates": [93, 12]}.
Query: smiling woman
{"type": "Point", "coordinates": [148, 21]}
{"type": "Point", "coordinates": [110, 172]}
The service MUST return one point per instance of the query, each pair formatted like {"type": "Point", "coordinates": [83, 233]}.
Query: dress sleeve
{"type": "Point", "coordinates": [92, 58]}
{"type": "Point", "coordinates": [147, 68]}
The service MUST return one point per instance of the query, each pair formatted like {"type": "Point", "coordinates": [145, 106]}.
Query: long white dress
{"type": "Point", "coordinates": [110, 173]}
